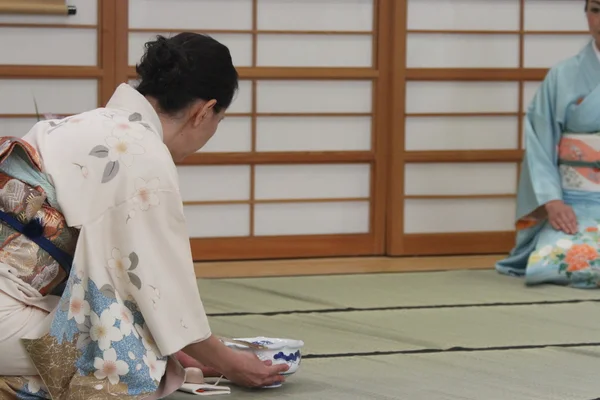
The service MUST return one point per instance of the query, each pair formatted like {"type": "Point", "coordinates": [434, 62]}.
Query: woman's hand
{"type": "Point", "coordinates": [240, 367]}
{"type": "Point", "coordinates": [247, 370]}
{"type": "Point", "coordinates": [562, 217]}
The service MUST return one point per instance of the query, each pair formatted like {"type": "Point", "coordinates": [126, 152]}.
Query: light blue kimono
{"type": "Point", "coordinates": [556, 109]}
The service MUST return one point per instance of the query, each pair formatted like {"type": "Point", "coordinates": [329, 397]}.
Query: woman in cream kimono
{"type": "Point", "coordinates": [558, 204]}
{"type": "Point", "coordinates": [97, 288]}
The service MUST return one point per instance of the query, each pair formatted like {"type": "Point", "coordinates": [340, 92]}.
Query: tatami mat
{"type": "Point", "coordinates": [361, 332]}
{"type": "Point", "coordinates": [544, 374]}
{"type": "Point", "coordinates": [375, 290]}
{"type": "Point", "coordinates": [468, 335]}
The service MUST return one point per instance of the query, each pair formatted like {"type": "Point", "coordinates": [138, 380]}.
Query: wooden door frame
{"type": "Point", "coordinates": [463, 243]}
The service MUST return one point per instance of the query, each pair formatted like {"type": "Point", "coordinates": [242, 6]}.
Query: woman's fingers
{"type": "Point", "coordinates": [564, 219]}
{"type": "Point", "coordinates": [568, 222]}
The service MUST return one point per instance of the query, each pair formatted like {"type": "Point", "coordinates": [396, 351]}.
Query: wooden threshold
{"type": "Point", "coordinates": [340, 266]}
{"type": "Point", "coordinates": [282, 247]}
{"type": "Point", "coordinates": [449, 244]}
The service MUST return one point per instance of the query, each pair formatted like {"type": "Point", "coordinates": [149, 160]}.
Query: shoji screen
{"type": "Point", "coordinates": [56, 60]}
{"type": "Point", "coordinates": [464, 74]}
{"type": "Point", "coordinates": [547, 42]}
{"type": "Point", "coordinates": [295, 169]}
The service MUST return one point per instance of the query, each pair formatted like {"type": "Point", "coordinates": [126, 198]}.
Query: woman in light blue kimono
{"type": "Point", "coordinates": [558, 201]}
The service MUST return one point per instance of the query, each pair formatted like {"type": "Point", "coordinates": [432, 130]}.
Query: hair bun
{"type": "Point", "coordinates": [184, 68]}
{"type": "Point", "coordinates": [164, 63]}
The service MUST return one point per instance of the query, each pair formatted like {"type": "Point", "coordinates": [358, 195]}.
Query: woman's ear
{"type": "Point", "coordinates": [204, 111]}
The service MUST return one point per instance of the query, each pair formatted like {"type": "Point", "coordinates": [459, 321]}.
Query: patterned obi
{"type": "Point", "coordinates": [35, 240]}
{"type": "Point", "coordinates": [579, 161]}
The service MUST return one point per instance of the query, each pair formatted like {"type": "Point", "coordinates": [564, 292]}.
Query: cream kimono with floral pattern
{"type": "Point", "coordinates": [131, 299]}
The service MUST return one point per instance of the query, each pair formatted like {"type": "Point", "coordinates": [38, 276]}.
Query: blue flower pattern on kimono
{"type": "Point", "coordinates": [115, 346]}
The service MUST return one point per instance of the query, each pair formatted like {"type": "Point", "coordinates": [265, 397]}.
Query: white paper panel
{"type": "Point", "coordinates": [311, 218]}
{"type": "Point", "coordinates": [459, 215]}
{"type": "Point", "coordinates": [318, 15]}
{"type": "Point", "coordinates": [48, 46]}
{"type": "Point", "coordinates": [190, 14]}
{"type": "Point", "coordinates": [319, 181]}
{"type": "Point", "coordinates": [87, 14]}
{"type": "Point", "coordinates": [461, 133]}
{"type": "Point", "coordinates": [529, 90]}
{"type": "Point", "coordinates": [314, 96]}
{"type": "Point", "coordinates": [233, 135]}
{"type": "Point", "coordinates": [544, 51]}
{"type": "Point", "coordinates": [240, 46]}
{"type": "Point", "coordinates": [16, 126]}
{"type": "Point", "coordinates": [313, 133]}
{"type": "Point", "coordinates": [210, 183]}
{"type": "Point", "coordinates": [462, 51]}
{"type": "Point", "coordinates": [543, 15]}
{"type": "Point", "coordinates": [242, 102]}
{"type": "Point", "coordinates": [456, 97]}
{"type": "Point", "coordinates": [463, 14]}
{"type": "Point", "coordinates": [315, 50]}
{"type": "Point", "coordinates": [228, 220]}
{"type": "Point", "coordinates": [60, 96]}
{"type": "Point", "coordinates": [460, 178]}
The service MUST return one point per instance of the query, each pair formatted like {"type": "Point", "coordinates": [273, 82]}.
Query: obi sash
{"type": "Point", "coordinates": [35, 240]}
{"type": "Point", "coordinates": [579, 162]}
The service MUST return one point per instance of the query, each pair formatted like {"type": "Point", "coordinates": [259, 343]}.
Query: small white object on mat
{"type": "Point", "coordinates": [204, 389]}
{"type": "Point", "coordinates": [195, 384]}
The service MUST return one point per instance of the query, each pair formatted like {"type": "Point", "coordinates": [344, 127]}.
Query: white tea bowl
{"type": "Point", "coordinates": [279, 351]}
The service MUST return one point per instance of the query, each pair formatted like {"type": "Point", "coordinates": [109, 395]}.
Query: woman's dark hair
{"type": "Point", "coordinates": [189, 66]}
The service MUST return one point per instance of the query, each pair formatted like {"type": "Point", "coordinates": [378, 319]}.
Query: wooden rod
{"type": "Point", "coordinates": [37, 9]}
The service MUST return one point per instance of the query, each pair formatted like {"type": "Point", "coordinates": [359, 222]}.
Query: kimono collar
{"type": "Point", "coordinates": [596, 50]}
{"type": "Point", "coordinates": [129, 99]}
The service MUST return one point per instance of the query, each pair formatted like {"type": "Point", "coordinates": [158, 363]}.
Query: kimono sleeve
{"type": "Point", "coordinates": [141, 248]}
{"type": "Point", "coordinates": [540, 180]}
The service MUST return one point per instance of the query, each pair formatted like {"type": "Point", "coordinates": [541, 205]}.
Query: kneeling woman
{"type": "Point", "coordinates": [98, 297]}
{"type": "Point", "coordinates": [558, 206]}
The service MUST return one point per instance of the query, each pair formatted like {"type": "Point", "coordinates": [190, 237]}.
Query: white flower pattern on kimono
{"type": "Point", "coordinates": [157, 367]}
{"type": "Point", "coordinates": [35, 385]}
{"type": "Point", "coordinates": [122, 149]}
{"type": "Point", "coordinates": [125, 128]}
{"type": "Point", "coordinates": [119, 264]}
{"type": "Point", "coordinates": [147, 339]}
{"type": "Point", "coordinates": [155, 297]}
{"type": "Point", "coordinates": [124, 315]}
{"type": "Point", "coordinates": [145, 193]}
{"type": "Point", "coordinates": [565, 244]}
{"type": "Point", "coordinates": [110, 367]}
{"type": "Point", "coordinates": [79, 308]}
{"type": "Point", "coordinates": [104, 330]}
{"type": "Point", "coordinates": [84, 338]}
